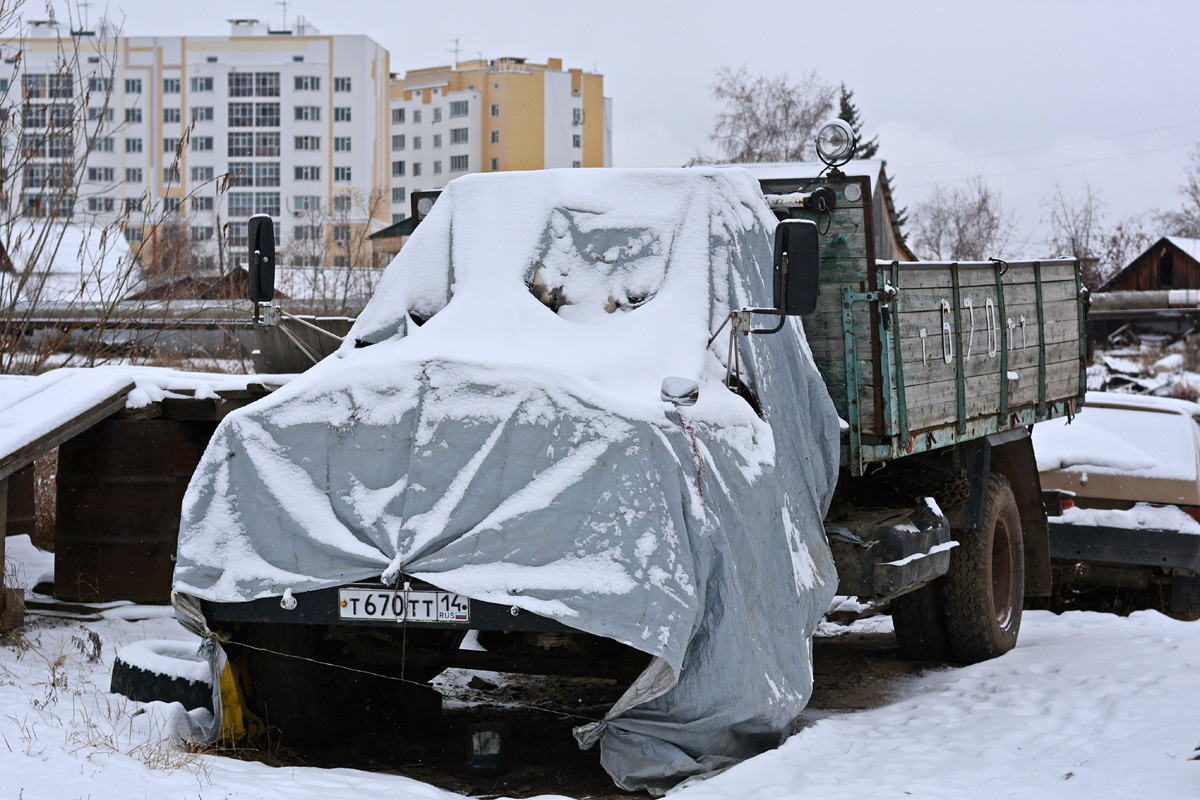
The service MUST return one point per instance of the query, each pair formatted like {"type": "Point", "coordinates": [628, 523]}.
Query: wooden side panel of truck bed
{"type": "Point", "coordinates": [922, 355]}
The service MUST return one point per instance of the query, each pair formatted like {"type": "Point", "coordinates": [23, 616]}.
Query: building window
{"type": "Point", "coordinates": [171, 205]}
{"type": "Point", "coordinates": [171, 174]}
{"type": "Point", "coordinates": [133, 235]}
{"type": "Point", "coordinates": [341, 233]}
{"type": "Point", "coordinates": [308, 113]}
{"type": "Point", "coordinates": [437, 168]}
{"type": "Point", "coordinates": [308, 83]}
{"type": "Point", "coordinates": [202, 113]}
{"type": "Point", "coordinates": [241, 173]}
{"type": "Point", "coordinates": [397, 116]}
{"type": "Point", "coordinates": [341, 84]}
{"type": "Point", "coordinates": [101, 173]}
{"type": "Point", "coordinates": [100, 204]}
{"type": "Point", "coordinates": [266, 145]}
{"type": "Point", "coordinates": [1166, 270]}
{"type": "Point", "coordinates": [495, 137]}
{"type": "Point", "coordinates": [241, 115]}
{"type": "Point", "coordinates": [241, 145]}
{"type": "Point", "coordinates": [577, 116]}
{"type": "Point", "coordinates": [495, 110]}
{"type": "Point", "coordinates": [94, 114]}
{"type": "Point", "coordinates": [61, 86]}
{"type": "Point", "coordinates": [201, 233]}
{"type": "Point", "coordinates": [306, 233]}
{"type": "Point", "coordinates": [104, 145]}
{"type": "Point", "coordinates": [202, 144]}
{"type": "Point", "coordinates": [132, 115]}
{"type": "Point", "coordinates": [202, 204]}
{"type": "Point", "coordinates": [416, 143]}
{"type": "Point", "coordinates": [398, 194]}
{"type": "Point", "coordinates": [267, 203]}
{"type": "Point", "coordinates": [343, 202]}
{"type": "Point", "coordinates": [33, 85]}
{"type": "Point", "coordinates": [437, 140]}
{"type": "Point", "coordinates": [308, 173]}
{"type": "Point", "coordinates": [241, 84]}
{"type": "Point", "coordinates": [307, 202]}
{"type": "Point", "coordinates": [397, 169]}
{"type": "Point", "coordinates": [133, 145]}
{"type": "Point", "coordinates": [416, 169]}
{"type": "Point", "coordinates": [94, 85]}
{"type": "Point", "coordinates": [133, 86]}
{"type": "Point", "coordinates": [201, 174]}
{"type": "Point", "coordinates": [170, 146]}
{"type": "Point", "coordinates": [211, 59]}
{"type": "Point", "coordinates": [416, 116]}
{"type": "Point", "coordinates": [238, 234]}
{"type": "Point", "coordinates": [171, 85]}
{"type": "Point", "coordinates": [437, 114]}
{"type": "Point", "coordinates": [495, 165]}
{"type": "Point", "coordinates": [341, 144]}
{"type": "Point", "coordinates": [576, 164]}
{"type": "Point", "coordinates": [396, 218]}
{"type": "Point", "coordinates": [266, 84]}
{"type": "Point", "coordinates": [458, 108]}
{"type": "Point", "coordinates": [341, 261]}
{"type": "Point", "coordinates": [459, 163]}
{"type": "Point", "coordinates": [202, 84]}
{"type": "Point", "coordinates": [266, 173]}
{"type": "Point", "coordinates": [458, 135]}
{"type": "Point", "coordinates": [133, 174]}
{"type": "Point", "coordinates": [577, 140]}
{"type": "Point", "coordinates": [341, 114]}
{"type": "Point", "coordinates": [341, 174]}
{"type": "Point", "coordinates": [241, 204]}
{"type": "Point", "coordinates": [398, 142]}
{"type": "Point", "coordinates": [308, 142]}
{"type": "Point", "coordinates": [133, 204]}
{"type": "Point", "coordinates": [266, 115]}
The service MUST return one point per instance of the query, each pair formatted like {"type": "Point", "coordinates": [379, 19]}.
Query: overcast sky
{"type": "Point", "coordinates": [1024, 94]}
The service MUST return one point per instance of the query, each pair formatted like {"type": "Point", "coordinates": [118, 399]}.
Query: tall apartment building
{"type": "Point", "coordinates": [490, 116]}
{"type": "Point", "coordinates": [298, 120]}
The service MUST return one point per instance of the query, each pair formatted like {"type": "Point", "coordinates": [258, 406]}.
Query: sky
{"type": "Point", "coordinates": [1028, 95]}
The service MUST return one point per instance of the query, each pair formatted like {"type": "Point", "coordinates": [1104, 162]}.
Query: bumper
{"type": "Point", "coordinates": [883, 554]}
{"type": "Point", "coordinates": [1125, 547]}
{"type": "Point", "coordinates": [321, 608]}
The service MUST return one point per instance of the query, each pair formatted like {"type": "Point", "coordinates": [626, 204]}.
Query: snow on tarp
{"type": "Point", "coordinates": [493, 426]}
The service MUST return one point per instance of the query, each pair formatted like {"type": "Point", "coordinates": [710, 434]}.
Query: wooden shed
{"type": "Point", "coordinates": [1172, 262]}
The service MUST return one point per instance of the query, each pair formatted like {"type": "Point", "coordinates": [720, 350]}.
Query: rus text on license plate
{"type": "Point", "coordinates": [387, 605]}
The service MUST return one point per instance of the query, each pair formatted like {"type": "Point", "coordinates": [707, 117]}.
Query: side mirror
{"type": "Point", "coordinates": [797, 267]}
{"type": "Point", "coordinates": [262, 258]}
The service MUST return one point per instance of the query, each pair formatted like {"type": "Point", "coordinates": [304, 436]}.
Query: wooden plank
{"type": "Point", "coordinates": [1059, 328]}
{"type": "Point", "coordinates": [933, 413]}
{"type": "Point", "coordinates": [916, 275]}
{"type": "Point", "coordinates": [918, 300]}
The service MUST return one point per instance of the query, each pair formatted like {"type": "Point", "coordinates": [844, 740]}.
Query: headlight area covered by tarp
{"type": "Point", "coordinates": [492, 425]}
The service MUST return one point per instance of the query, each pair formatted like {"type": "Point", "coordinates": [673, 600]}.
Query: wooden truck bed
{"type": "Point", "coordinates": [921, 355]}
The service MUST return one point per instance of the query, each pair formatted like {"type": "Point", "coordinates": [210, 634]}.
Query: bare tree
{"type": "Point", "coordinates": [1185, 221]}
{"type": "Point", "coordinates": [969, 223]}
{"type": "Point", "coordinates": [1118, 246]}
{"type": "Point", "coordinates": [1075, 223]}
{"type": "Point", "coordinates": [768, 118]}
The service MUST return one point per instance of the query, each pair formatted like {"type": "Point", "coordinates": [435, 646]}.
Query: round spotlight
{"type": "Point", "coordinates": [424, 206]}
{"type": "Point", "coordinates": [836, 143]}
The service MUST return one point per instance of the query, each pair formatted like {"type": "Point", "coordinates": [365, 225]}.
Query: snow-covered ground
{"type": "Point", "coordinates": [1088, 705]}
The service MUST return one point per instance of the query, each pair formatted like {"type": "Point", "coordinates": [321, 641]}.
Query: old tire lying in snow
{"type": "Point", "coordinates": [162, 669]}
{"type": "Point", "coordinates": [983, 591]}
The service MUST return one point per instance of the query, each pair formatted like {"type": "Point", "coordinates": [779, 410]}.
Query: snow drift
{"type": "Point", "coordinates": [493, 426]}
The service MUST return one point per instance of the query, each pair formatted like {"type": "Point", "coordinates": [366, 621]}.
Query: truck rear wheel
{"type": "Point", "coordinates": [920, 626]}
{"type": "Point", "coordinates": [983, 591]}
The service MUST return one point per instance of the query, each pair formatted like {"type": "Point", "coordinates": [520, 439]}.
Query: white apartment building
{"type": "Point", "coordinates": [297, 120]}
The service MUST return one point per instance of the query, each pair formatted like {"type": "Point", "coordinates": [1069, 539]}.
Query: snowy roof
{"type": "Point", "coordinates": [1189, 246]}
{"type": "Point", "coordinates": [781, 170]}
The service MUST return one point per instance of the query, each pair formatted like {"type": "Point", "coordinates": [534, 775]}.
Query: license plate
{"type": "Point", "coordinates": [399, 606]}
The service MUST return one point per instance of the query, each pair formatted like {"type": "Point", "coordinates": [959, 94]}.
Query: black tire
{"type": "Point", "coordinates": [920, 626]}
{"type": "Point", "coordinates": [983, 591]}
{"type": "Point", "coordinates": [133, 676]}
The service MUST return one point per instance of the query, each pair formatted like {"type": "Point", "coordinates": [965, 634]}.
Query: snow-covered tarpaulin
{"type": "Point", "coordinates": [493, 426]}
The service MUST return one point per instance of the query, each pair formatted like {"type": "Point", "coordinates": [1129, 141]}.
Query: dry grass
{"type": "Point", "coordinates": [45, 498]}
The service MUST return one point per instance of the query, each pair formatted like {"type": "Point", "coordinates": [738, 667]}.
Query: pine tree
{"type": "Point", "coordinates": [849, 113]}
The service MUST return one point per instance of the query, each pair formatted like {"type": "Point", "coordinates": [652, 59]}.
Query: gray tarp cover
{"type": "Point", "coordinates": [514, 448]}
